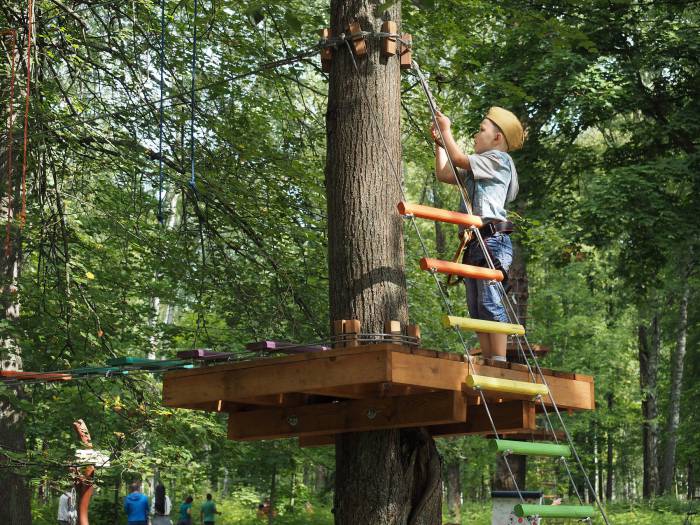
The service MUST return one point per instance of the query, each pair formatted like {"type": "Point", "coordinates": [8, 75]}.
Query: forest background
{"type": "Point", "coordinates": [607, 229]}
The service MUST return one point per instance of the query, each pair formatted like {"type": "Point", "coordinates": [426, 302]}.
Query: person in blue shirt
{"type": "Point", "coordinates": [136, 505]}
{"type": "Point", "coordinates": [491, 182]}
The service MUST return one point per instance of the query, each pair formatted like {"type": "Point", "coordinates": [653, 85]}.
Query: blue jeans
{"type": "Point", "coordinates": [483, 300]}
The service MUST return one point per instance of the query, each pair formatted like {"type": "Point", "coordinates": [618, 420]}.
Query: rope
{"type": "Point", "coordinates": [160, 120]}
{"type": "Point", "coordinates": [30, 15]}
{"type": "Point", "coordinates": [193, 102]}
{"type": "Point", "coordinates": [10, 138]}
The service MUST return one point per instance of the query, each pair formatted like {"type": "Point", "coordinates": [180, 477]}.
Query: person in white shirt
{"type": "Point", "coordinates": [161, 507]}
{"type": "Point", "coordinates": [67, 514]}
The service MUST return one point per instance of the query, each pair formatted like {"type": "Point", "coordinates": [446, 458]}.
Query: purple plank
{"type": "Point", "coordinates": [284, 347]}
{"type": "Point", "coordinates": [201, 354]}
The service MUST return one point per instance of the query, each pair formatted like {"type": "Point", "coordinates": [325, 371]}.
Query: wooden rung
{"type": "Point", "coordinates": [359, 44]}
{"type": "Point", "coordinates": [361, 415]}
{"type": "Point", "coordinates": [463, 270]}
{"type": "Point", "coordinates": [326, 52]}
{"type": "Point", "coordinates": [554, 511]}
{"type": "Point", "coordinates": [496, 384]}
{"type": "Point", "coordinates": [477, 325]}
{"type": "Point", "coordinates": [529, 448]}
{"type": "Point", "coordinates": [405, 51]}
{"type": "Point", "coordinates": [438, 214]}
{"type": "Point", "coordinates": [389, 42]}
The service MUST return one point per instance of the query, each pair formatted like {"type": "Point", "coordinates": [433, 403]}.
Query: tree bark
{"type": "Point", "coordinates": [674, 405]}
{"type": "Point", "coordinates": [648, 368]}
{"type": "Point", "coordinates": [387, 477]}
{"type": "Point", "coordinates": [13, 486]}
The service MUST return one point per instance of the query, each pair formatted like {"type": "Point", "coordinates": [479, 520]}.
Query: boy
{"type": "Point", "coordinates": [491, 181]}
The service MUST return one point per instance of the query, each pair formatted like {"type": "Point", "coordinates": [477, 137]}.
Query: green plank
{"type": "Point", "coordinates": [140, 362]}
{"type": "Point", "coordinates": [554, 511]}
{"type": "Point", "coordinates": [527, 448]}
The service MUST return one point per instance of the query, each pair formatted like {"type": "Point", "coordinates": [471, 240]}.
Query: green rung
{"type": "Point", "coordinates": [554, 511]}
{"type": "Point", "coordinates": [92, 370]}
{"type": "Point", "coordinates": [528, 448]}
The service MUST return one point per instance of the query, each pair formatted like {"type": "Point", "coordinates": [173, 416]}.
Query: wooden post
{"type": "Point", "coordinates": [352, 329]}
{"type": "Point", "coordinates": [393, 328]}
{"type": "Point", "coordinates": [339, 330]}
{"type": "Point", "coordinates": [413, 330]}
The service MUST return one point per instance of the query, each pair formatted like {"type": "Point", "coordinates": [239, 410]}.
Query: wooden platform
{"type": "Point", "coordinates": [370, 387]}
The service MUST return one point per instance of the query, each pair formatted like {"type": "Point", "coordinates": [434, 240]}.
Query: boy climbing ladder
{"type": "Point", "coordinates": [491, 181]}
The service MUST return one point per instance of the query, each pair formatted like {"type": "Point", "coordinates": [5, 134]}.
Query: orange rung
{"type": "Point", "coordinates": [463, 270]}
{"type": "Point", "coordinates": [44, 376]}
{"type": "Point", "coordinates": [437, 214]}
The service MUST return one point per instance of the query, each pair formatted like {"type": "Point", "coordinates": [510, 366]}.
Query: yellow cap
{"type": "Point", "coordinates": [510, 125]}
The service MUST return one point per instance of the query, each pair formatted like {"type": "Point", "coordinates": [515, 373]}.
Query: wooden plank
{"type": "Point", "coordinates": [286, 376]}
{"type": "Point", "coordinates": [349, 416]}
{"type": "Point", "coordinates": [427, 372]}
{"type": "Point", "coordinates": [512, 417]}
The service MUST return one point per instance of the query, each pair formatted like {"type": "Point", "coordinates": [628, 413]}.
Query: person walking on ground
{"type": "Point", "coordinates": [136, 505]}
{"type": "Point", "coordinates": [208, 512]}
{"type": "Point", "coordinates": [67, 514]}
{"type": "Point", "coordinates": [185, 517]}
{"type": "Point", "coordinates": [161, 507]}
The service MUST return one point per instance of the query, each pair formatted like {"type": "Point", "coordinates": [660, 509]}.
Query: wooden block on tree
{"type": "Point", "coordinates": [326, 52]}
{"type": "Point", "coordinates": [393, 329]}
{"type": "Point", "coordinates": [405, 51]}
{"type": "Point", "coordinates": [389, 42]}
{"type": "Point", "coordinates": [351, 329]}
{"type": "Point", "coordinates": [349, 416]}
{"type": "Point", "coordinates": [359, 44]}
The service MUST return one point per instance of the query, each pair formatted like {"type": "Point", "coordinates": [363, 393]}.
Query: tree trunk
{"type": "Point", "coordinates": [454, 491]}
{"type": "Point", "coordinates": [648, 368]}
{"type": "Point", "coordinates": [13, 487]}
{"type": "Point", "coordinates": [691, 480]}
{"type": "Point", "coordinates": [674, 405]}
{"type": "Point", "coordinates": [503, 480]}
{"type": "Point", "coordinates": [386, 477]}
{"type": "Point", "coordinates": [610, 455]}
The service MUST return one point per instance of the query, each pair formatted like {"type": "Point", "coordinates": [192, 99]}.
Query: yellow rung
{"type": "Point", "coordinates": [497, 384]}
{"type": "Point", "coordinates": [477, 325]}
